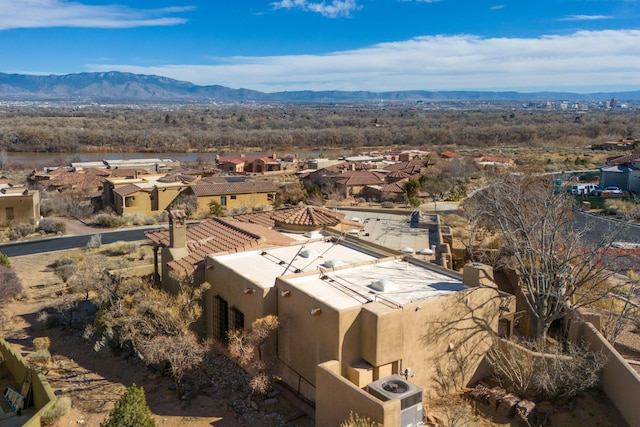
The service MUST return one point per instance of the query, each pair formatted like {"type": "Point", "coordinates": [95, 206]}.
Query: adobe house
{"type": "Point", "coordinates": [146, 194]}
{"type": "Point", "coordinates": [19, 204]}
{"type": "Point", "coordinates": [374, 315]}
{"type": "Point", "coordinates": [233, 195]}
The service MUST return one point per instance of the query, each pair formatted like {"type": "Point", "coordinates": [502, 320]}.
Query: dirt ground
{"type": "Point", "coordinates": [94, 380]}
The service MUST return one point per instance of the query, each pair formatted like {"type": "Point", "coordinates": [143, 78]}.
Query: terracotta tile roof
{"type": "Point", "coordinates": [296, 215]}
{"type": "Point", "coordinates": [262, 218]}
{"type": "Point", "coordinates": [310, 215]}
{"type": "Point", "coordinates": [177, 178]}
{"type": "Point", "coordinates": [621, 160]}
{"type": "Point", "coordinates": [125, 190]}
{"type": "Point", "coordinates": [211, 236]}
{"type": "Point", "coordinates": [360, 178]}
{"type": "Point", "coordinates": [450, 154]}
{"type": "Point", "coordinates": [394, 187]}
{"type": "Point", "coordinates": [211, 189]}
{"type": "Point", "coordinates": [409, 167]}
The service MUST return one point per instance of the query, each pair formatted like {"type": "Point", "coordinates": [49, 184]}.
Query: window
{"type": "Point", "coordinates": [10, 214]}
{"type": "Point", "coordinates": [237, 319]}
{"type": "Point", "coordinates": [233, 197]}
{"type": "Point", "coordinates": [271, 197]}
{"type": "Point", "coordinates": [223, 200]}
{"type": "Point", "coordinates": [220, 318]}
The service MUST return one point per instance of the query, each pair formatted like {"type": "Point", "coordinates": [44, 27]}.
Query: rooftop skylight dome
{"type": "Point", "coordinates": [384, 285]}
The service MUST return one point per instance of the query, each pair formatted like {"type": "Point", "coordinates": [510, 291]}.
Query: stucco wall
{"type": "Point", "coordinates": [257, 303]}
{"type": "Point", "coordinates": [25, 207]}
{"type": "Point", "coordinates": [250, 201]}
{"type": "Point", "coordinates": [43, 397]}
{"type": "Point", "coordinates": [337, 398]}
{"type": "Point", "coordinates": [620, 381]}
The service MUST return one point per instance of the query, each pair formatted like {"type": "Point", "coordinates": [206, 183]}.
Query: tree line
{"type": "Point", "coordinates": [301, 127]}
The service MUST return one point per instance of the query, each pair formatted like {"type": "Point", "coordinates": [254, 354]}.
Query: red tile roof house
{"type": "Point", "coordinates": [183, 247]}
{"type": "Point", "coordinates": [257, 164]}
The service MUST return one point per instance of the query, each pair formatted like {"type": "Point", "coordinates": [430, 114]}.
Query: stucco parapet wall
{"type": "Point", "coordinates": [43, 396]}
{"type": "Point", "coordinates": [337, 397]}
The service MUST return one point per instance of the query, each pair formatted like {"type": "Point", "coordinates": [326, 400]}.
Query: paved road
{"type": "Point", "coordinates": [59, 243]}
{"type": "Point", "coordinates": [596, 226]}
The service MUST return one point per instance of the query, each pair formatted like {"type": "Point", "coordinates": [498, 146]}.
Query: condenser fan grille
{"type": "Point", "coordinates": [394, 386]}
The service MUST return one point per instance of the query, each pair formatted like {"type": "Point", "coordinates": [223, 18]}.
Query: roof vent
{"type": "Point", "coordinates": [308, 253]}
{"type": "Point", "coordinates": [332, 263]}
{"type": "Point", "coordinates": [314, 234]}
{"type": "Point", "coordinates": [384, 285]}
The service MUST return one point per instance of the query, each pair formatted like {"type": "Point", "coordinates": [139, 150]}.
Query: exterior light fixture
{"type": "Point", "coordinates": [248, 291]}
{"type": "Point", "coordinates": [285, 294]}
{"type": "Point", "coordinates": [316, 311]}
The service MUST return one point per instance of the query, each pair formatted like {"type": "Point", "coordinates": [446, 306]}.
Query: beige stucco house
{"type": "Point", "coordinates": [372, 315]}
{"type": "Point", "coordinates": [233, 195]}
{"type": "Point", "coordinates": [146, 194]}
{"type": "Point", "coordinates": [18, 204]}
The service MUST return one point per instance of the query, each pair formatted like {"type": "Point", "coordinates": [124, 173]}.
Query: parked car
{"type": "Point", "coordinates": [583, 189]}
{"type": "Point", "coordinates": [612, 192]}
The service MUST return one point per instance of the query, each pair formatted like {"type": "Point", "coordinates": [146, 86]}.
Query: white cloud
{"type": "Point", "coordinates": [497, 7]}
{"type": "Point", "coordinates": [585, 17]}
{"type": "Point", "coordinates": [335, 9]}
{"type": "Point", "coordinates": [587, 59]}
{"type": "Point", "coordinates": [63, 13]}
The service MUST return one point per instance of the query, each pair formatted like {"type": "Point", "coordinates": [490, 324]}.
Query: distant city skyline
{"type": "Point", "coordinates": [375, 45]}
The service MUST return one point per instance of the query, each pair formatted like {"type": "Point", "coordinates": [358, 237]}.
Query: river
{"type": "Point", "coordinates": [33, 159]}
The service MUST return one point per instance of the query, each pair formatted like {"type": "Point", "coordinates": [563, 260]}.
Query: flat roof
{"type": "Point", "coordinates": [403, 282]}
{"type": "Point", "coordinates": [263, 266]}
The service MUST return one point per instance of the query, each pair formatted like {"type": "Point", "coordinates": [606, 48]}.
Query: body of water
{"type": "Point", "coordinates": [43, 159]}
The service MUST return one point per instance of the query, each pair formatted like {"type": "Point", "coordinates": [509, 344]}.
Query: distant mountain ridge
{"type": "Point", "coordinates": [115, 86]}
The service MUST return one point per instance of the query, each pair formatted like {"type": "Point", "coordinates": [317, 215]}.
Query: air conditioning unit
{"type": "Point", "coordinates": [410, 395]}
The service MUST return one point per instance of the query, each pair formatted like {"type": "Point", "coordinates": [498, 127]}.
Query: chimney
{"type": "Point", "coordinates": [177, 229]}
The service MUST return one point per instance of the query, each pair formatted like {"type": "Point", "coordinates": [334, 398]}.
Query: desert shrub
{"type": "Point", "coordinates": [121, 248]}
{"type": "Point", "coordinates": [618, 207]}
{"type": "Point", "coordinates": [356, 420]}
{"type": "Point", "coordinates": [52, 226]}
{"type": "Point", "coordinates": [240, 210]}
{"type": "Point", "coordinates": [387, 205]}
{"type": "Point", "coordinates": [4, 260]}
{"type": "Point", "coordinates": [65, 272]}
{"type": "Point", "coordinates": [455, 221]}
{"type": "Point", "coordinates": [11, 286]}
{"type": "Point", "coordinates": [556, 374]}
{"type": "Point", "coordinates": [95, 241]}
{"type": "Point", "coordinates": [138, 219]}
{"type": "Point", "coordinates": [41, 343]}
{"type": "Point", "coordinates": [61, 407]}
{"type": "Point", "coordinates": [18, 230]}
{"type": "Point", "coordinates": [216, 209]}
{"type": "Point", "coordinates": [244, 348]}
{"type": "Point", "coordinates": [107, 220]}
{"type": "Point", "coordinates": [39, 357]}
{"type": "Point", "coordinates": [130, 410]}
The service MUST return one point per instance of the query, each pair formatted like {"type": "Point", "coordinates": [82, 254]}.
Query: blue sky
{"type": "Point", "coordinates": [377, 45]}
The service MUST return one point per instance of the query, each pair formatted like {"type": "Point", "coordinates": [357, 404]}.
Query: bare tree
{"type": "Point", "coordinates": [182, 352]}
{"type": "Point", "coordinates": [558, 270]}
{"type": "Point", "coordinates": [245, 349]}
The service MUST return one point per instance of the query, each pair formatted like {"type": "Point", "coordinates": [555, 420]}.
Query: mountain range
{"type": "Point", "coordinates": [117, 86]}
